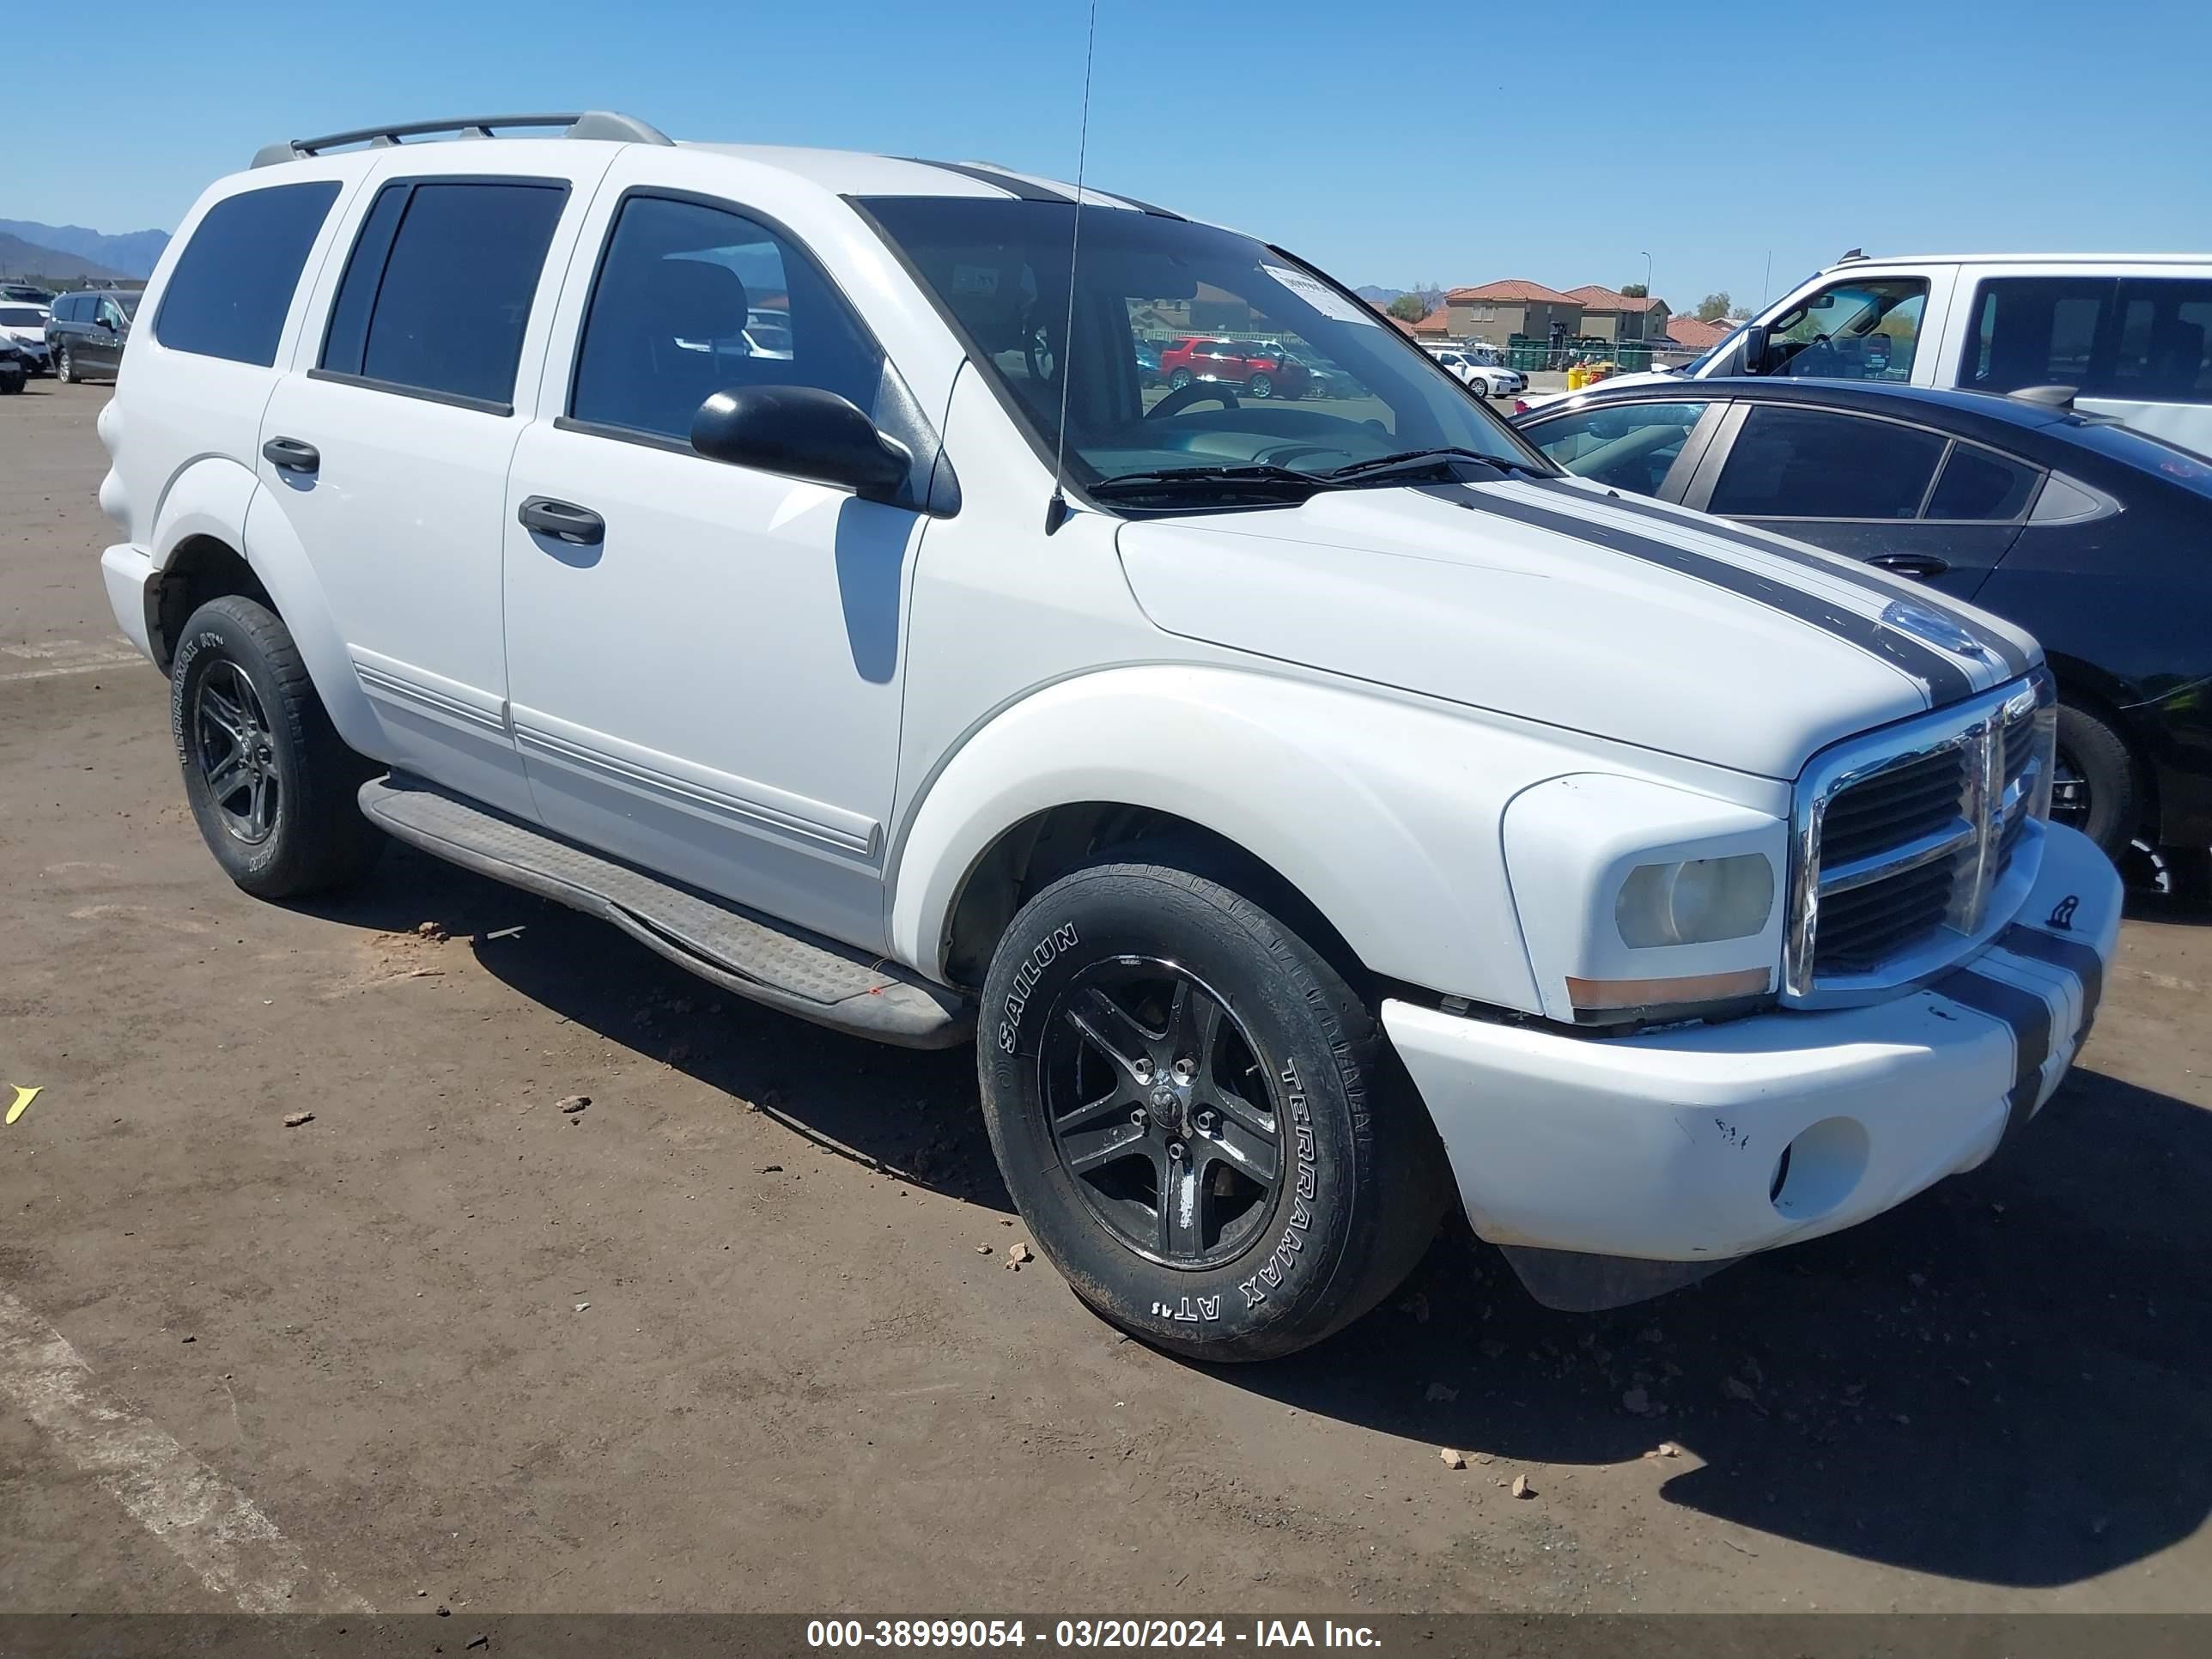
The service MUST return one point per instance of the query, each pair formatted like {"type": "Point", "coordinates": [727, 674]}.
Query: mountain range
{"type": "Point", "coordinates": [75, 251]}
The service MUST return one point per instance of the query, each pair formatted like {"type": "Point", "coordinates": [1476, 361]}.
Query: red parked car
{"type": "Point", "coordinates": [1254, 368]}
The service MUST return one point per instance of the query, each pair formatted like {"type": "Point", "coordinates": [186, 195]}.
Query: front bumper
{"type": "Point", "coordinates": [1669, 1148]}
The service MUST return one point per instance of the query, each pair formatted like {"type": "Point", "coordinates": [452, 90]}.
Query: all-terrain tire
{"type": "Point", "coordinates": [237, 655]}
{"type": "Point", "coordinates": [1360, 1178]}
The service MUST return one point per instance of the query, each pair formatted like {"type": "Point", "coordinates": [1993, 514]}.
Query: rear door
{"type": "Point", "coordinates": [2136, 343]}
{"type": "Point", "coordinates": [386, 447]}
{"type": "Point", "coordinates": [1905, 497]}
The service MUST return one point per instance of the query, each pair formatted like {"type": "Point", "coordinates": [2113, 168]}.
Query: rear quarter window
{"type": "Point", "coordinates": [233, 283]}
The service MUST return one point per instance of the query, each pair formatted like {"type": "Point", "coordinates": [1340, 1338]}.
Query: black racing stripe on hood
{"type": "Point", "coordinates": [2015, 660]}
{"type": "Point", "coordinates": [1943, 680]}
{"type": "Point", "coordinates": [1012, 187]}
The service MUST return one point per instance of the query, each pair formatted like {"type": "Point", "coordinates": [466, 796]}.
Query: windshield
{"type": "Point", "coordinates": [20, 317]}
{"type": "Point", "coordinates": [128, 301]}
{"type": "Point", "coordinates": [1265, 370]}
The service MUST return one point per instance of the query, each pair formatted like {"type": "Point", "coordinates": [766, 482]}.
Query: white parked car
{"type": "Point", "coordinates": [2130, 333]}
{"type": "Point", "coordinates": [1320, 818]}
{"type": "Point", "coordinates": [1479, 371]}
{"type": "Point", "coordinates": [24, 323]}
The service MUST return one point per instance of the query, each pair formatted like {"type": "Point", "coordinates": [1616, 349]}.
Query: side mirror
{"type": "Point", "coordinates": [1754, 349]}
{"type": "Point", "coordinates": [800, 432]}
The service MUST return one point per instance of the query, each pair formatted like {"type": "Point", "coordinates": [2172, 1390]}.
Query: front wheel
{"type": "Point", "coordinates": [1200, 1120]}
{"type": "Point", "coordinates": [1260, 386]}
{"type": "Point", "coordinates": [2095, 788]}
{"type": "Point", "coordinates": [269, 781]}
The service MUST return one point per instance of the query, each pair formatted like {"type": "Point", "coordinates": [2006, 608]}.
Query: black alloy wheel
{"type": "Point", "coordinates": [1160, 1112]}
{"type": "Point", "coordinates": [236, 754]}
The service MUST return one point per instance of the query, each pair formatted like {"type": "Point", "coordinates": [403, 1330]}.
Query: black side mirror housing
{"type": "Point", "coordinates": [802, 432]}
{"type": "Point", "coordinates": [1754, 349]}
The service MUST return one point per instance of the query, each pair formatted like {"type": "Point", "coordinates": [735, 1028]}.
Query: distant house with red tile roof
{"type": "Point", "coordinates": [1495, 312]}
{"type": "Point", "coordinates": [1610, 315]}
{"type": "Point", "coordinates": [1693, 336]}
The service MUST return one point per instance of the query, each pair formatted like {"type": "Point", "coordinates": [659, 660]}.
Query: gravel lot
{"type": "Point", "coordinates": [453, 1345]}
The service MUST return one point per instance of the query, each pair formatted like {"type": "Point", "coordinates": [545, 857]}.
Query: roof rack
{"type": "Point", "coordinates": [587, 124]}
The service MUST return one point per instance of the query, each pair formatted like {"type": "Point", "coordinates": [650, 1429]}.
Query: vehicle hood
{"type": "Point", "coordinates": [1562, 603]}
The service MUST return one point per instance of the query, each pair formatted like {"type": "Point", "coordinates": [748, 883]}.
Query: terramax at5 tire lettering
{"type": "Point", "coordinates": [1200, 1120]}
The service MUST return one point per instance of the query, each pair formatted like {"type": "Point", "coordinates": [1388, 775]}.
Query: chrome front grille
{"type": "Point", "coordinates": [1907, 842]}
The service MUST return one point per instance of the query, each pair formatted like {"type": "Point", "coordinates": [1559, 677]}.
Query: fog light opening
{"type": "Point", "coordinates": [1819, 1169]}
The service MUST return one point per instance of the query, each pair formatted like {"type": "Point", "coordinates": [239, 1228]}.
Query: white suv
{"type": "Point", "coordinates": [1326, 813]}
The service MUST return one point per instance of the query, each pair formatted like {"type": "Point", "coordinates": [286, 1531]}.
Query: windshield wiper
{"type": "Point", "coordinates": [1427, 460]}
{"type": "Point", "coordinates": [1253, 475]}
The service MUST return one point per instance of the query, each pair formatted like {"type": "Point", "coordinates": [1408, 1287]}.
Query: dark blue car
{"type": "Point", "coordinates": [2089, 534]}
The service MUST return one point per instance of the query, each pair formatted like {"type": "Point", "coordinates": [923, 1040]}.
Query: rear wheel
{"type": "Point", "coordinates": [65, 366]}
{"type": "Point", "coordinates": [2097, 787]}
{"type": "Point", "coordinates": [1179, 380]}
{"type": "Point", "coordinates": [1200, 1120]}
{"type": "Point", "coordinates": [269, 781]}
{"type": "Point", "coordinates": [1260, 386]}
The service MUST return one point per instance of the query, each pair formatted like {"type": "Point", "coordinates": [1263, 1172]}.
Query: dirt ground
{"type": "Point", "coordinates": [457, 1346]}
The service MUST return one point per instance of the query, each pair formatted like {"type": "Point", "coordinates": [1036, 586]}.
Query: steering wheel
{"type": "Point", "coordinates": [1195, 392]}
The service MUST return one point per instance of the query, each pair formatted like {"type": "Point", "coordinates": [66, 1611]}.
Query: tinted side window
{"type": "Point", "coordinates": [2134, 337]}
{"type": "Point", "coordinates": [233, 282]}
{"type": "Point", "coordinates": [454, 281]}
{"type": "Point", "coordinates": [667, 328]}
{"type": "Point", "coordinates": [1981, 484]}
{"type": "Point", "coordinates": [2164, 353]}
{"type": "Point", "coordinates": [1809, 464]}
{"type": "Point", "coordinates": [347, 335]}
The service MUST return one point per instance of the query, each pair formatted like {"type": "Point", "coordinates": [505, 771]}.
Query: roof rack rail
{"type": "Point", "coordinates": [587, 124]}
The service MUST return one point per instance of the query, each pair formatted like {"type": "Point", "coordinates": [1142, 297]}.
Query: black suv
{"type": "Point", "coordinates": [87, 331]}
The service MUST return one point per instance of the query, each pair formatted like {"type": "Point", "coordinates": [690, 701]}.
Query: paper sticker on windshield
{"type": "Point", "coordinates": [1322, 297]}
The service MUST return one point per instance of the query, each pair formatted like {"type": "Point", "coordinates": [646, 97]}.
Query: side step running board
{"type": "Point", "coordinates": [742, 952]}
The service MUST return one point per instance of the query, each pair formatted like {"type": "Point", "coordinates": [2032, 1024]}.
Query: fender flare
{"type": "Point", "coordinates": [1384, 815]}
{"type": "Point", "coordinates": [215, 496]}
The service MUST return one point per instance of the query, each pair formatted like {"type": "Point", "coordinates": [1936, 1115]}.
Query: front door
{"type": "Point", "coordinates": [1860, 326]}
{"type": "Point", "coordinates": [103, 342]}
{"type": "Point", "coordinates": [705, 668]}
{"type": "Point", "coordinates": [384, 451]}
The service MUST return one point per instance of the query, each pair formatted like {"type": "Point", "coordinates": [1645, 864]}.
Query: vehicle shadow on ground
{"type": "Point", "coordinates": [2005, 1381]}
{"type": "Point", "coordinates": [913, 1113]}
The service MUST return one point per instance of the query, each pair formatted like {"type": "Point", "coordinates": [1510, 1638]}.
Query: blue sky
{"type": "Point", "coordinates": [1389, 146]}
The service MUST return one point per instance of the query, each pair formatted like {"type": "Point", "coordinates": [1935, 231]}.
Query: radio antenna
{"type": "Point", "coordinates": [1055, 510]}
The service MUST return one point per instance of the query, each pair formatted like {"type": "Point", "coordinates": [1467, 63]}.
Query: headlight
{"type": "Point", "coordinates": [1695, 901]}
{"type": "Point", "coordinates": [1640, 899]}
